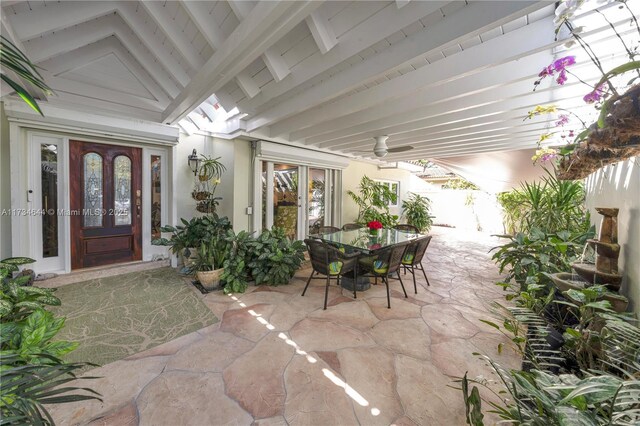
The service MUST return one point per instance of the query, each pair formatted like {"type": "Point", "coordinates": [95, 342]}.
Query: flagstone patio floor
{"type": "Point", "coordinates": [278, 358]}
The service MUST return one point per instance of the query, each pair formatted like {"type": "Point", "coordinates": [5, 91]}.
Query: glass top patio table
{"type": "Point", "coordinates": [361, 240]}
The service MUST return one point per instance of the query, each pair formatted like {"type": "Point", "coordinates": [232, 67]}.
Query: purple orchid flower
{"type": "Point", "coordinates": [562, 120]}
{"type": "Point", "coordinates": [562, 63]}
{"type": "Point", "coordinates": [562, 78]}
{"type": "Point", "coordinates": [597, 94]}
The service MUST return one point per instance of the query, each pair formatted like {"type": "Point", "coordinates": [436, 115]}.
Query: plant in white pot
{"type": "Point", "coordinates": [207, 264]}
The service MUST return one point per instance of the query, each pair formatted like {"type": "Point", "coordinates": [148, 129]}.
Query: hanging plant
{"type": "Point", "coordinates": [615, 134]}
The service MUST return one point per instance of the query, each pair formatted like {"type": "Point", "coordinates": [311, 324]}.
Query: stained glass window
{"type": "Point", "coordinates": [122, 190]}
{"type": "Point", "coordinates": [93, 194]}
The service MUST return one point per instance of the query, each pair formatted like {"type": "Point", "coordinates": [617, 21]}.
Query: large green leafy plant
{"type": "Point", "coordinates": [373, 202]}
{"type": "Point", "coordinates": [416, 211]}
{"type": "Point", "coordinates": [274, 257]}
{"type": "Point", "coordinates": [236, 272]}
{"type": "Point", "coordinates": [32, 373]}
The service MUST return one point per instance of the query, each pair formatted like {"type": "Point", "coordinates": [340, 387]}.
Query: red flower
{"type": "Point", "coordinates": [374, 224]}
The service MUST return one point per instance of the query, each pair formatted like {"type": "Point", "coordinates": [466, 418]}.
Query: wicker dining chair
{"type": "Point", "coordinates": [350, 226]}
{"type": "Point", "coordinates": [332, 263]}
{"type": "Point", "coordinates": [412, 259]}
{"type": "Point", "coordinates": [406, 227]}
{"type": "Point", "coordinates": [384, 264]}
{"type": "Point", "coordinates": [328, 229]}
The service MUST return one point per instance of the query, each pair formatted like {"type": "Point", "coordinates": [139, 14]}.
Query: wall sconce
{"type": "Point", "coordinates": [194, 162]}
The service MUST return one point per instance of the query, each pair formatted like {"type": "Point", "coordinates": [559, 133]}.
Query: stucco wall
{"type": "Point", "coordinates": [5, 186]}
{"type": "Point", "coordinates": [351, 179]}
{"type": "Point", "coordinates": [618, 185]}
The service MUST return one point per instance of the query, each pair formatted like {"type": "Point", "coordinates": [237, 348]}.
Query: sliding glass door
{"type": "Point", "coordinates": [295, 198]}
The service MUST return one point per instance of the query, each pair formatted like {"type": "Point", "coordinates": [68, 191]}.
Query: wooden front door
{"type": "Point", "coordinates": [106, 195]}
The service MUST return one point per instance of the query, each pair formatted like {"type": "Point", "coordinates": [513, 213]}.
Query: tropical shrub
{"type": "Point", "coordinates": [530, 255]}
{"type": "Point", "coordinates": [552, 205]}
{"type": "Point", "coordinates": [31, 368]}
{"type": "Point", "coordinates": [373, 202]}
{"type": "Point", "coordinates": [416, 211]}
{"type": "Point", "coordinates": [236, 271]}
{"type": "Point", "coordinates": [31, 338]}
{"type": "Point", "coordinates": [274, 257]}
{"type": "Point", "coordinates": [25, 389]}
{"type": "Point", "coordinates": [192, 232]}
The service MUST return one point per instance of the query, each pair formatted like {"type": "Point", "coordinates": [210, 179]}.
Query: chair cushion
{"type": "Point", "coordinates": [335, 267]}
{"type": "Point", "coordinates": [380, 267]}
{"type": "Point", "coordinates": [407, 259]}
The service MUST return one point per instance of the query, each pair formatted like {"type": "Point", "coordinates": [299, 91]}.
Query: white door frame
{"type": "Point", "coordinates": [26, 226]}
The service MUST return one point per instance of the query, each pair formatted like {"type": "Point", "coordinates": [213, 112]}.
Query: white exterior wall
{"type": "Point", "coordinates": [234, 183]}
{"type": "Point", "coordinates": [618, 185]}
{"type": "Point", "coordinates": [351, 179]}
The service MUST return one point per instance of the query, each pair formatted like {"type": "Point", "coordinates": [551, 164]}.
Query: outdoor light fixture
{"type": "Point", "coordinates": [194, 162]}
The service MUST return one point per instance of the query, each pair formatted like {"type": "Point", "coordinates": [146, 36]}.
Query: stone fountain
{"type": "Point", "coordinates": [605, 269]}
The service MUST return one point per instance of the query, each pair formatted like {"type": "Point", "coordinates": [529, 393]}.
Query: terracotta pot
{"type": "Point", "coordinates": [210, 280]}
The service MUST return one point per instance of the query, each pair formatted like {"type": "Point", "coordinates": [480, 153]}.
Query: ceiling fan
{"type": "Point", "coordinates": [380, 149]}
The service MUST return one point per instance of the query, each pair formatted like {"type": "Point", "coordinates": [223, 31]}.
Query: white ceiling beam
{"type": "Point", "coordinates": [513, 133]}
{"type": "Point", "coordinates": [276, 64]}
{"type": "Point", "coordinates": [425, 108]}
{"type": "Point", "coordinates": [321, 31]}
{"type": "Point", "coordinates": [57, 16]}
{"type": "Point", "coordinates": [272, 59]}
{"type": "Point", "coordinates": [381, 25]}
{"type": "Point", "coordinates": [240, 8]}
{"type": "Point", "coordinates": [247, 84]}
{"type": "Point", "coordinates": [405, 103]}
{"type": "Point", "coordinates": [209, 110]}
{"type": "Point", "coordinates": [226, 100]}
{"type": "Point", "coordinates": [198, 11]}
{"type": "Point", "coordinates": [82, 56]}
{"type": "Point", "coordinates": [158, 12]}
{"type": "Point", "coordinates": [43, 48]}
{"type": "Point", "coordinates": [266, 24]}
{"type": "Point", "coordinates": [498, 143]}
{"type": "Point", "coordinates": [401, 3]}
{"type": "Point", "coordinates": [476, 134]}
{"type": "Point", "coordinates": [128, 13]}
{"type": "Point", "coordinates": [537, 36]}
{"type": "Point", "coordinates": [503, 145]}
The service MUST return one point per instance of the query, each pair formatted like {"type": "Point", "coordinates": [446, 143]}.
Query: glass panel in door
{"type": "Point", "coordinates": [316, 200]}
{"type": "Point", "coordinates": [122, 190]}
{"type": "Point", "coordinates": [49, 182]}
{"type": "Point", "coordinates": [93, 202]}
{"type": "Point", "coordinates": [285, 198]}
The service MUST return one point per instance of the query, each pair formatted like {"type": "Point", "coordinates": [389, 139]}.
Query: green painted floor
{"type": "Point", "coordinates": [121, 315]}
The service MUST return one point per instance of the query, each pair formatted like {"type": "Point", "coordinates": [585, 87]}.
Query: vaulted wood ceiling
{"type": "Point", "coordinates": [448, 77]}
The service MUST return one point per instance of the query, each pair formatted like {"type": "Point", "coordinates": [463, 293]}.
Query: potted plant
{"type": "Point", "coordinates": [207, 264]}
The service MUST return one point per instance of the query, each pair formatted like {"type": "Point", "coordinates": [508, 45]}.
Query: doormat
{"type": "Point", "coordinates": [117, 316]}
